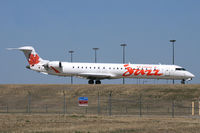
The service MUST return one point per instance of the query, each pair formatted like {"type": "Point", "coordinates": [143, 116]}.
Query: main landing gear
{"type": "Point", "coordinates": [183, 81]}
{"type": "Point", "coordinates": [92, 81]}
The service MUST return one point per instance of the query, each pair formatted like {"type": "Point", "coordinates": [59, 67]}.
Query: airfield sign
{"type": "Point", "coordinates": [83, 101]}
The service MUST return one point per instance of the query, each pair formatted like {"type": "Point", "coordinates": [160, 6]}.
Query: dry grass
{"type": "Point", "coordinates": [16, 95]}
{"type": "Point", "coordinates": [19, 123]}
{"type": "Point", "coordinates": [182, 92]}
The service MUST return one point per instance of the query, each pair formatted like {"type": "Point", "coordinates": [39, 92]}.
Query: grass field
{"type": "Point", "coordinates": [181, 92]}
{"type": "Point", "coordinates": [37, 123]}
{"type": "Point", "coordinates": [16, 97]}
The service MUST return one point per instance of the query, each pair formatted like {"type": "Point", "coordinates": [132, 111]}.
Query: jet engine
{"type": "Point", "coordinates": [56, 64]}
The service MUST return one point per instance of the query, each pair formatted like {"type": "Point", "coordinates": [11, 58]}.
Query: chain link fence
{"type": "Point", "coordinates": [98, 104]}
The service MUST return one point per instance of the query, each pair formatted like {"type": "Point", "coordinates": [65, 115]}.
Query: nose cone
{"type": "Point", "coordinates": [190, 75]}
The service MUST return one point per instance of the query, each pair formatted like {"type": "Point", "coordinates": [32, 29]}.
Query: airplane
{"type": "Point", "coordinates": [95, 72]}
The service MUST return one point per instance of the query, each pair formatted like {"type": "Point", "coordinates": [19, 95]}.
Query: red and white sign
{"type": "Point", "coordinates": [83, 101]}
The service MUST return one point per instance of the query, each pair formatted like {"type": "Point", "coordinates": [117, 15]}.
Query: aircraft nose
{"type": "Point", "coordinates": [190, 75]}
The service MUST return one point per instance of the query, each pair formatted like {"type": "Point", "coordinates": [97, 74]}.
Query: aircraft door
{"type": "Point", "coordinates": [167, 72]}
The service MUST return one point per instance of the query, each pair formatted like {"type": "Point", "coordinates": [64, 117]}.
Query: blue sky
{"type": "Point", "coordinates": [54, 27]}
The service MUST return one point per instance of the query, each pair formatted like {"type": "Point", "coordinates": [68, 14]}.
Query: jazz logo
{"type": "Point", "coordinates": [130, 71]}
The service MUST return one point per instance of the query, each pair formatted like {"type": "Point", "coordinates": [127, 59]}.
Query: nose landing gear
{"type": "Point", "coordinates": [183, 81]}
{"type": "Point", "coordinates": [92, 81]}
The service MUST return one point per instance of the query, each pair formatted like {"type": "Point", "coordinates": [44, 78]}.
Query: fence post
{"type": "Point", "coordinates": [29, 102]}
{"type": "Point", "coordinates": [147, 108]}
{"type": "Point", "coordinates": [192, 107]}
{"type": "Point", "coordinates": [46, 108]}
{"type": "Point", "coordinates": [98, 104]}
{"type": "Point", "coordinates": [7, 108]}
{"type": "Point", "coordinates": [110, 103]}
{"type": "Point", "coordinates": [140, 104]}
{"type": "Point", "coordinates": [86, 110]}
{"type": "Point", "coordinates": [173, 109]}
{"type": "Point", "coordinates": [68, 105]}
{"type": "Point", "coordinates": [199, 108]}
{"type": "Point", "coordinates": [64, 103]}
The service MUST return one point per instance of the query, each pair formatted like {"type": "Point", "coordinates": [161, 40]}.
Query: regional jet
{"type": "Point", "coordinates": [95, 72]}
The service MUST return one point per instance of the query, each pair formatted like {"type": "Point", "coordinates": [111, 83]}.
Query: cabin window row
{"type": "Point", "coordinates": [99, 68]}
{"type": "Point", "coordinates": [110, 68]}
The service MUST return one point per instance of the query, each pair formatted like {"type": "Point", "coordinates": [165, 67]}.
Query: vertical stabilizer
{"type": "Point", "coordinates": [30, 54]}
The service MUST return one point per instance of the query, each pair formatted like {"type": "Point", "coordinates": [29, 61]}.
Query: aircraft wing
{"type": "Point", "coordinates": [96, 75]}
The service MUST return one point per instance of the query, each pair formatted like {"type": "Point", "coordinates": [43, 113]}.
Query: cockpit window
{"type": "Point", "coordinates": [180, 69]}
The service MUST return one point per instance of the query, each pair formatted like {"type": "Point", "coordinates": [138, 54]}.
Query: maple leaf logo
{"type": "Point", "coordinates": [33, 59]}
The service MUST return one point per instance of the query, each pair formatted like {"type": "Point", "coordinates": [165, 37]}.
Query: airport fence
{"type": "Point", "coordinates": [98, 104]}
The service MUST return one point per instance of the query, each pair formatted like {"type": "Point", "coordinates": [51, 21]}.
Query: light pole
{"type": "Point", "coordinates": [95, 54]}
{"type": "Point", "coordinates": [123, 45]}
{"type": "Point", "coordinates": [173, 53]}
{"type": "Point", "coordinates": [71, 52]}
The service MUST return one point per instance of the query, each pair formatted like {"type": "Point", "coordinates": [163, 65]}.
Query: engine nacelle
{"type": "Point", "coordinates": [56, 64]}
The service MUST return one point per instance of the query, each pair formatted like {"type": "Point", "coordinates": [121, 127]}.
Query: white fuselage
{"type": "Point", "coordinates": [114, 71]}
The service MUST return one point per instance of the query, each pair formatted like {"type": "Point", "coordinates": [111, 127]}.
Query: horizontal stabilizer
{"type": "Point", "coordinates": [12, 48]}
{"type": "Point", "coordinates": [25, 48]}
